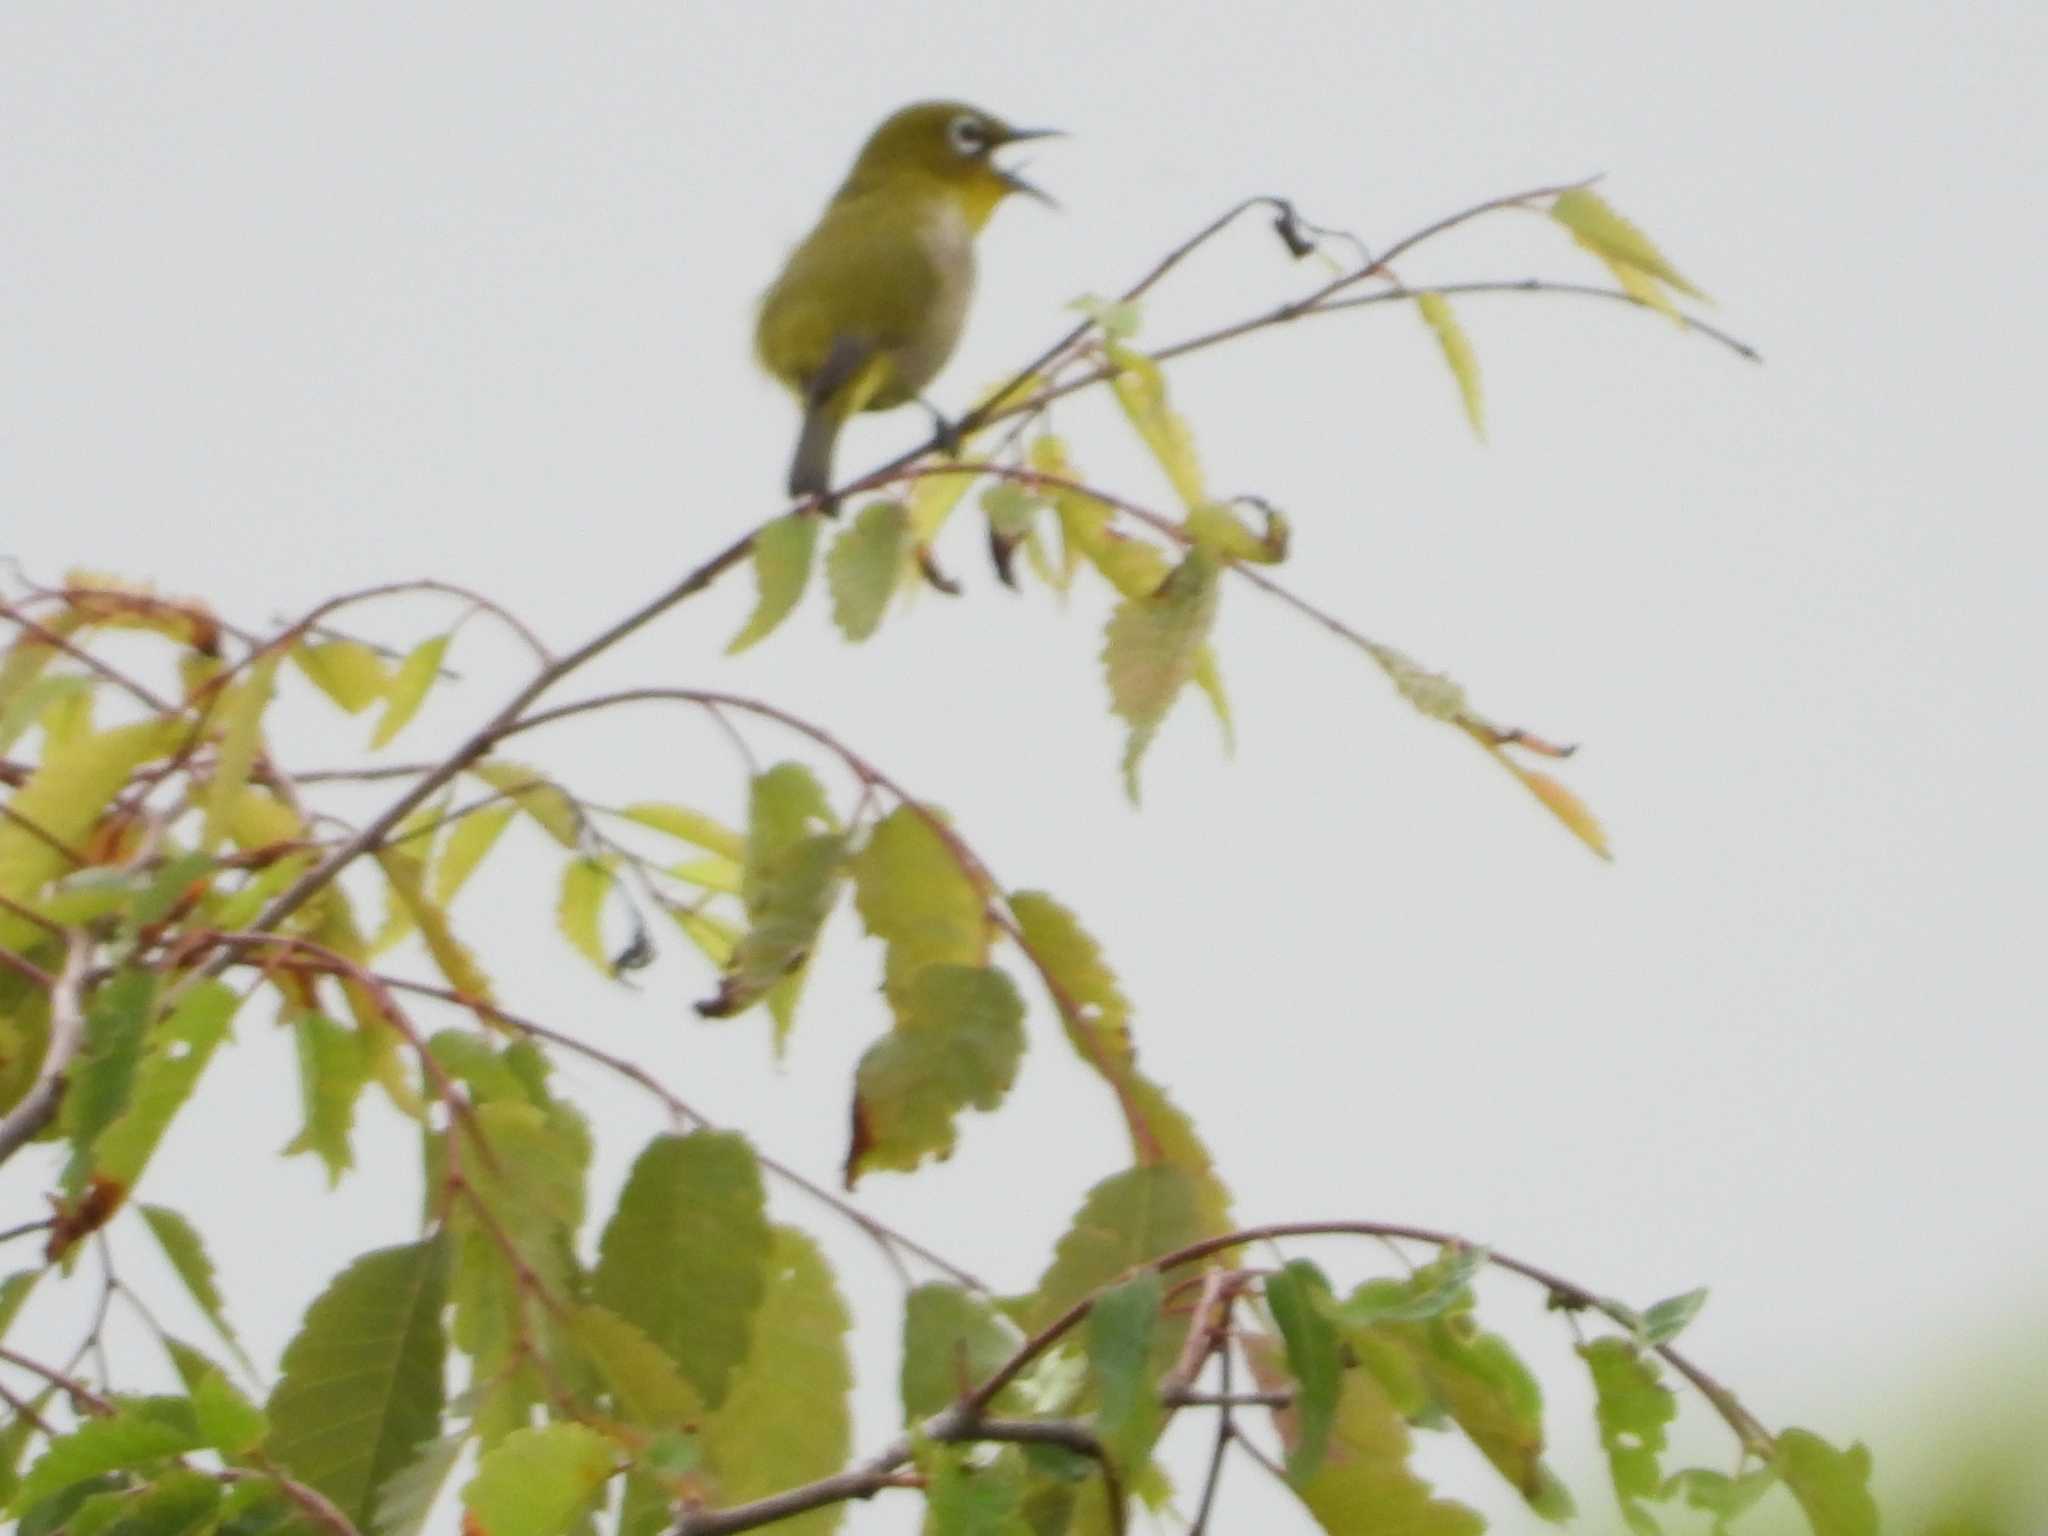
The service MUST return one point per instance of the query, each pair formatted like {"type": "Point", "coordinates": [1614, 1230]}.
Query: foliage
{"type": "Point", "coordinates": [669, 1355]}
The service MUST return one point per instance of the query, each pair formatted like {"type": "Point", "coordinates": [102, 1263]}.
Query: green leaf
{"type": "Point", "coordinates": [1672, 1316]}
{"type": "Point", "coordinates": [579, 910]}
{"type": "Point", "coordinates": [1722, 1497]}
{"type": "Point", "coordinates": [178, 1052]}
{"type": "Point", "coordinates": [361, 1385]}
{"type": "Point", "coordinates": [408, 688]}
{"type": "Point", "coordinates": [228, 1421]}
{"type": "Point", "coordinates": [787, 1419]}
{"type": "Point", "coordinates": [1298, 1296]}
{"type": "Point", "coordinates": [538, 1481]}
{"type": "Point", "coordinates": [956, 1045]}
{"type": "Point", "coordinates": [689, 826]}
{"type": "Point", "coordinates": [912, 894]}
{"type": "Point", "coordinates": [61, 801]}
{"type": "Point", "coordinates": [952, 1340]}
{"type": "Point", "coordinates": [1126, 1220]}
{"type": "Point", "coordinates": [173, 1502]}
{"type": "Point", "coordinates": [14, 1290]}
{"type": "Point", "coordinates": [645, 1386]}
{"type": "Point", "coordinates": [534, 793]}
{"type": "Point", "coordinates": [1119, 320]}
{"type": "Point", "coordinates": [1123, 1327]}
{"type": "Point", "coordinates": [1439, 1287]}
{"type": "Point", "coordinates": [1633, 1408]}
{"type": "Point", "coordinates": [333, 1067]}
{"type": "Point", "coordinates": [410, 1493]}
{"type": "Point", "coordinates": [1464, 363]}
{"type": "Point", "coordinates": [102, 1081]}
{"type": "Point", "coordinates": [1612, 238]}
{"type": "Point", "coordinates": [140, 1432]}
{"type": "Point", "coordinates": [791, 894]}
{"type": "Point", "coordinates": [1363, 1486]}
{"type": "Point", "coordinates": [469, 839]}
{"type": "Point", "coordinates": [347, 671]}
{"type": "Point", "coordinates": [782, 569]}
{"type": "Point", "coordinates": [241, 739]}
{"type": "Point", "coordinates": [181, 1244]}
{"type": "Point", "coordinates": [1832, 1487]}
{"type": "Point", "coordinates": [686, 1255]}
{"type": "Point", "coordinates": [1150, 650]}
{"type": "Point", "coordinates": [785, 806]}
{"type": "Point", "coordinates": [965, 1498]}
{"type": "Point", "coordinates": [866, 565]}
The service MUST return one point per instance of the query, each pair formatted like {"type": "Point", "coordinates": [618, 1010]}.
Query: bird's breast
{"type": "Point", "coordinates": [946, 241]}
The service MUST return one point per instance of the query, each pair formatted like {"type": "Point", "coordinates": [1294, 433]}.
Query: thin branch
{"type": "Point", "coordinates": [87, 1400]}
{"type": "Point", "coordinates": [1226, 1431]}
{"type": "Point", "coordinates": [67, 1037]}
{"type": "Point", "coordinates": [315, 1503]}
{"type": "Point", "coordinates": [1735, 344]}
{"type": "Point", "coordinates": [50, 637]}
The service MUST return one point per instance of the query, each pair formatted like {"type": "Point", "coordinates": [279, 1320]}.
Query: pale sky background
{"type": "Point", "coordinates": [298, 299]}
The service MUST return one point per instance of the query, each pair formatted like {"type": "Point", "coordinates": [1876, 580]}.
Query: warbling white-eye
{"type": "Point", "coordinates": [870, 306]}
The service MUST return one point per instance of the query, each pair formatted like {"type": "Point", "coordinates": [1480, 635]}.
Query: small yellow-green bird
{"type": "Point", "coordinates": [869, 307]}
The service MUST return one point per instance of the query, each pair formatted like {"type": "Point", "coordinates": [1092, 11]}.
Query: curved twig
{"type": "Point", "coordinates": [67, 1036]}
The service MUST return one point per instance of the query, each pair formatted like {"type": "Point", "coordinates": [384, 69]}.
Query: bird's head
{"type": "Point", "coordinates": [950, 144]}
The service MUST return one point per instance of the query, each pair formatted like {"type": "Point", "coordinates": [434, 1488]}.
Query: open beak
{"type": "Point", "coordinates": [1017, 183]}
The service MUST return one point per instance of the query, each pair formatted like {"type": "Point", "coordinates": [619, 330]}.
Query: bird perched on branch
{"type": "Point", "coordinates": [870, 306]}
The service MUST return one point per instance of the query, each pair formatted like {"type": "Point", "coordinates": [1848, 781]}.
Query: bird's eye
{"type": "Point", "coordinates": [969, 135]}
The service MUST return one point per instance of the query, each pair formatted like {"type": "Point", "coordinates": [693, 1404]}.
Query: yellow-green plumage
{"type": "Point", "coordinates": [870, 306]}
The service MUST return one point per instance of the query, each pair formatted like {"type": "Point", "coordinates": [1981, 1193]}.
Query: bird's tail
{"type": "Point", "coordinates": [810, 472]}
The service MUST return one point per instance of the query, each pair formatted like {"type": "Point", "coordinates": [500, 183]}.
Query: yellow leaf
{"type": "Point", "coordinates": [451, 955]}
{"type": "Point", "coordinates": [1559, 801]}
{"type": "Point", "coordinates": [1612, 238]}
{"type": "Point", "coordinates": [1140, 388]}
{"type": "Point", "coordinates": [711, 873]}
{"type": "Point", "coordinates": [409, 687]}
{"type": "Point", "coordinates": [347, 671]}
{"type": "Point", "coordinates": [579, 911]}
{"type": "Point", "coordinates": [1436, 310]}
{"type": "Point", "coordinates": [690, 826]}
{"type": "Point", "coordinates": [468, 840]}
{"type": "Point", "coordinates": [241, 738]}
{"type": "Point", "coordinates": [782, 569]}
{"type": "Point", "coordinates": [716, 937]}
{"type": "Point", "coordinates": [26, 659]}
{"type": "Point", "coordinates": [546, 802]}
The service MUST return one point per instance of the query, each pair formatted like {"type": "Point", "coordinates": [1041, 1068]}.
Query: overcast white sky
{"type": "Point", "coordinates": [296, 299]}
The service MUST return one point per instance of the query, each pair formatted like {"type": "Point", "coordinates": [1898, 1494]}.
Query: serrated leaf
{"type": "Point", "coordinates": [183, 1246]}
{"type": "Point", "coordinates": [1721, 1497]}
{"type": "Point", "coordinates": [866, 564]}
{"type": "Point", "coordinates": [1437, 1288]}
{"type": "Point", "coordinates": [1832, 1487]}
{"type": "Point", "coordinates": [955, 1046]}
{"type": "Point", "coordinates": [408, 687]}
{"type": "Point", "coordinates": [787, 1419]}
{"type": "Point", "coordinates": [1667, 1319]}
{"type": "Point", "coordinates": [1299, 1298]}
{"type": "Point", "coordinates": [964, 1497]}
{"type": "Point", "coordinates": [62, 800]}
{"type": "Point", "coordinates": [1458, 353]}
{"type": "Point", "coordinates": [534, 793]}
{"type": "Point", "coordinates": [1126, 1220]}
{"type": "Point", "coordinates": [1122, 1331]}
{"type": "Point", "coordinates": [913, 895]}
{"type": "Point", "coordinates": [172, 1502]}
{"type": "Point", "coordinates": [228, 1421]}
{"type": "Point", "coordinates": [579, 910]}
{"type": "Point", "coordinates": [782, 556]}
{"type": "Point", "coordinates": [140, 1431]}
{"type": "Point", "coordinates": [410, 1493]}
{"type": "Point", "coordinates": [1363, 1486]}
{"type": "Point", "coordinates": [241, 738]}
{"type": "Point", "coordinates": [791, 893]}
{"type": "Point", "coordinates": [689, 826]}
{"type": "Point", "coordinates": [1216, 528]}
{"type": "Point", "coordinates": [714, 937]}
{"type": "Point", "coordinates": [469, 839]}
{"type": "Point", "coordinates": [360, 1390]}
{"type": "Point", "coordinates": [451, 956]}
{"type": "Point", "coordinates": [952, 1339]}
{"type": "Point", "coordinates": [1150, 651]}
{"type": "Point", "coordinates": [538, 1481]}
{"type": "Point", "coordinates": [686, 1254]}
{"type": "Point", "coordinates": [1140, 388]}
{"type": "Point", "coordinates": [102, 1079]}
{"type": "Point", "coordinates": [347, 671]}
{"type": "Point", "coordinates": [1633, 1408]}
{"type": "Point", "coordinates": [1612, 238]}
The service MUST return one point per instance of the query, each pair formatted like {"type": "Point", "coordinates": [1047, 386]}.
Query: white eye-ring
{"type": "Point", "coordinates": [969, 134]}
